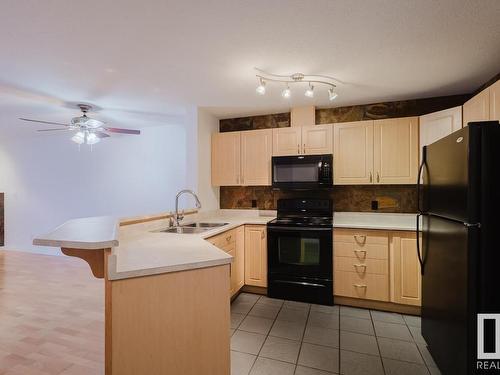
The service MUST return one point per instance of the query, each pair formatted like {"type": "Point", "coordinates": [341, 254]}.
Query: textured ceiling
{"type": "Point", "coordinates": [156, 59]}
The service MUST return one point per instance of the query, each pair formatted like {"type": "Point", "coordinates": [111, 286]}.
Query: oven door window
{"type": "Point", "coordinates": [299, 251]}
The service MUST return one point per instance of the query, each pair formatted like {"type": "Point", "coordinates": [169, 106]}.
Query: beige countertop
{"type": "Point", "coordinates": [139, 250]}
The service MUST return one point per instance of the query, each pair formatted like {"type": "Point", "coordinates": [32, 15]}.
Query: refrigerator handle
{"type": "Point", "coordinates": [419, 252]}
{"type": "Point", "coordinates": [419, 176]}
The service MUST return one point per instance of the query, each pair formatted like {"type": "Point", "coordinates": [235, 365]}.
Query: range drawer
{"type": "Point", "coordinates": [361, 252]}
{"type": "Point", "coordinates": [361, 266]}
{"type": "Point", "coordinates": [361, 237]}
{"type": "Point", "coordinates": [368, 286]}
{"type": "Point", "coordinates": [225, 241]}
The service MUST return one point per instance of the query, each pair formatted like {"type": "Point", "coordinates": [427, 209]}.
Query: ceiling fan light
{"type": "Point", "coordinates": [310, 91]}
{"type": "Point", "coordinates": [78, 138]}
{"type": "Point", "coordinates": [332, 95]}
{"type": "Point", "coordinates": [261, 89]}
{"type": "Point", "coordinates": [92, 139]}
{"type": "Point", "coordinates": [286, 93]}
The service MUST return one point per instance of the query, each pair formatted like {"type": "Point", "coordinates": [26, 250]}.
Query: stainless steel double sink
{"type": "Point", "coordinates": [198, 227]}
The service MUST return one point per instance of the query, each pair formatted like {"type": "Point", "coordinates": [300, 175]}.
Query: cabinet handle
{"type": "Point", "coordinates": [262, 235]}
{"type": "Point", "coordinates": [304, 148]}
{"type": "Point", "coordinates": [362, 236]}
{"type": "Point", "coordinates": [371, 177]}
{"type": "Point", "coordinates": [378, 177]}
{"type": "Point", "coordinates": [359, 285]}
{"type": "Point", "coordinates": [360, 251]}
{"type": "Point", "coordinates": [298, 148]}
{"type": "Point", "coordinates": [228, 238]}
{"type": "Point", "coordinates": [360, 265]}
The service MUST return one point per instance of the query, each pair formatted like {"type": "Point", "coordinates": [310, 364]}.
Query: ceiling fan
{"type": "Point", "coordinates": [88, 130]}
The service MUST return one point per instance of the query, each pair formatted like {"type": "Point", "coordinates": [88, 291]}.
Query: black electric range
{"type": "Point", "coordinates": [300, 251]}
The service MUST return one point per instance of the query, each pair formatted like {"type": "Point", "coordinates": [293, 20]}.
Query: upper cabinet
{"type": "Point", "coordinates": [495, 101]}
{"type": "Point", "coordinates": [484, 106]}
{"type": "Point", "coordinates": [376, 152]}
{"type": "Point", "coordinates": [395, 150]}
{"type": "Point", "coordinates": [477, 108]}
{"type": "Point", "coordinates": [302, 140]}
{"type": "Point", "coordinates": [226, 159]}
{"type": "Point", "coordinates": [353, 153]}
{"type": "Point", "coordinates": [256, 151]}
{"type": "Point", "coordinates": [287, 141]}
{"type": "Point", "coordinates": [242, 158]}
{"type": "Point", "coordinates": [437, 125]}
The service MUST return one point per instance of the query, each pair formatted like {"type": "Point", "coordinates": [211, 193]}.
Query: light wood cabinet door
{"type": "Point", "coordinates": [395, 151]}
{"type": "Point", "coordinates": [317, 139]}
{"type": "Point", "coordinates": [495, 101]}
{"type": "Point", "coordinates": [353, 153]}
{"type": "Point", "coordinates": [226, 159]}
{"type": "Point", "coordinates": [256, 151]}
{"type": "Point", "coordinates": [477, 108]}
{"type": "Point", "coordinates": [238, 265]}
{"type": "Point", "coordinates": [255, 255]}
{"type": "Point", "coordinates": [406, 279]}
{"type": "Point", "coordinates": [287, 141]}
{"type": "Point", "coordinates": [437, 125]}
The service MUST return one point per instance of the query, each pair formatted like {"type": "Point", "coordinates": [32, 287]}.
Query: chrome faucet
{"type": "Point", "coordinates": [178, 217]}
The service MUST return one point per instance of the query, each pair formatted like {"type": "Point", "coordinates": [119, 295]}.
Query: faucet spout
{"type": "Point", "coordinates": [178, 217]}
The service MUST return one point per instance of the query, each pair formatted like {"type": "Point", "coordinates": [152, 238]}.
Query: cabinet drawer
{"type": "Point", "coordinates": [368, 286]}
{"type": "Point", "coordinates": [368, 251]}
{"type": "Point", "coordinates": [224, 240]}
{"type": "Point", "coordinates": [361, 266]}
{"type": "Point", "coordinates": [361, 237]}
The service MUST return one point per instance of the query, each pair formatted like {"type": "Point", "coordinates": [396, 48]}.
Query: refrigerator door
{"type": "Point", "coordinates": [447, 294]}
{"type": "Point", "coordinates": [450, 174]}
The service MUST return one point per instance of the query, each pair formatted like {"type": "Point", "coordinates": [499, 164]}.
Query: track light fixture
{"type": "Point", "coordinates": [286, 93]}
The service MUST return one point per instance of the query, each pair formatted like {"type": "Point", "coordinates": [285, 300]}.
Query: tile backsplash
{"type": "Point", "coordinates": [348, 198]}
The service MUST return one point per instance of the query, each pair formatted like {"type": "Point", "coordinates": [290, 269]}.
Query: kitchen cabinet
{"type": "Point", "coordinates": [395, 150]}
{"type": "Point", "coordinates": [226, 159]}
{"type": "Point", "coordinates": [302, 140]}
{"type": "Point", "coordinates": [437, 125]}
{"type": "Point", "coordinates": [256, 255]}
{"type": "Point", "coordinates": [256, 152]}
{"type": "Point", "coordinates": [233, 243]}
{"type": "Point", "coordinates": [353, 153]}
{"type": "Point", "coordinates": [406, 279]}
{"type": "Point", "coordinates": [242, 158]}
{"type": "Point", "coordinates": [495, 101]}
{"type": "Point", "coordinates": [477, 108]}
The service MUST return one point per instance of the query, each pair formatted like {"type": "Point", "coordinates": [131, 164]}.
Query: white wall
{"type": "Point", "coordinates": [47, 180]}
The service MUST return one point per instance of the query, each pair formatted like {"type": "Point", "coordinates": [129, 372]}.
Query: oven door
{"type": "Point", "coordinates": [300, 251]}
{"type": "Point", "coordinates": [302, 172]}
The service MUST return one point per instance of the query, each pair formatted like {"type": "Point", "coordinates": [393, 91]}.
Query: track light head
{"type": "Point", "coordinates": [332, 95]}
{"type": "Point", "coordinates": [261, 89]}
{"type": "Point", "coordinates": [286, 93]}
{"type": "Point", "coordinates": [310, 91]}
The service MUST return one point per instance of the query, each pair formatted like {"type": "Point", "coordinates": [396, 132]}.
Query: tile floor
{"type": "Point", "coordinates": [275, 337]}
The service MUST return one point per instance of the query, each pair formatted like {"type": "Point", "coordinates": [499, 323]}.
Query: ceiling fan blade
{"type": "Point", "coordinates": [51, 130]}
{"type": "Point", "coordinates": [123, 131]}
{"type": "Point", "coordinates": [42, 122]}
{"type": "Point", "coordinates": [101, 134]}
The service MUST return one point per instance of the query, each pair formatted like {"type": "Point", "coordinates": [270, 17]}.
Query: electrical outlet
{"type": "Point", "coordinates": [254, 203]}
{"type": "Point", "coordinates": [374, 205]}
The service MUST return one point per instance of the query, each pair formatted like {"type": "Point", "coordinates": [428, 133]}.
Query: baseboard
{"type": "Point", "coordinates": [254, 289]}
{"type": "Point", "coordinates": [377, 305]}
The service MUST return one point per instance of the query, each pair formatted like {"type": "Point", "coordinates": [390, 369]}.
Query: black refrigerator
{"type": "Point", "coordinates": [459, 204]}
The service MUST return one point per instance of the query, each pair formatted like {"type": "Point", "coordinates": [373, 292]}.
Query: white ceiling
{"type": "Point", "coordinates": [157, 58]}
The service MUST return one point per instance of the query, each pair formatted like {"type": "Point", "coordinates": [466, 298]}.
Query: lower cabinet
{"type": "Point", "coordinates": [255, 255]}
{"type": "Point", "coordinates": [376, 265]}
{"type": "Point", "coordinates": [406, 280]}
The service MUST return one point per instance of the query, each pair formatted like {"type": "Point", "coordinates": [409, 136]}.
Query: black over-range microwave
{"type": "Point", "coordinates": [302, 171]}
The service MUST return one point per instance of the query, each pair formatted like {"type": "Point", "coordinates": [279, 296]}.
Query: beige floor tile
{"type": "Point", "coordinates": [256, 324]}
{"type": "Point", "coordinates": [247, 342]}
{"type": "Point", "coordinates": [358, 325]}
{"type": "Point", "coordinates": [400, 350]}
{"type": "Point", "coordinates": [264, 311]}
{"type": "Point", "coordinates": [266, 366]}
{"type": "Point", "coordinates": [319, 357]}
{"type": "Point", "coordinates": [326, 309]}
{"type": "Point", "coordinates": [388, 317]}
{"type": "Point", "coordinates": [236, 319]}
{"type": "Point", "coordinates": [417, 335]}
{"type": "Point", "coordinates": [297, 305]}
{"type": "Point", "coordinates": [293, 315]}
{"type": "Point", "coordinates": [412, 321]}
{"type": "Point", "coordinates": [355, 312]}
{"type": "Point", "coordinates": [424, 351]}
{"type": "Point", "coordinates": [319, 319]}
{"type": "Point", "coordinates": [392, 331]}
{"type": "Point", "coordinates": [357, 342]}
{"type": "Point", "coordinates": [241, 363]}
{"type": "Point", "coordinates": [394, 367]}
{"type": "Point", "coordinates": [301, 370]}
{"type": "Point", "coordinates": [288, 330]}
{"type": "Point", "coordinates": [280, 349]}
{"type": "Point", "coordinates": [322, 336]}
{"type": "Point", "coordinates": [266, 301]}
{"type": "Point", "coordinates": [360, 364]}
